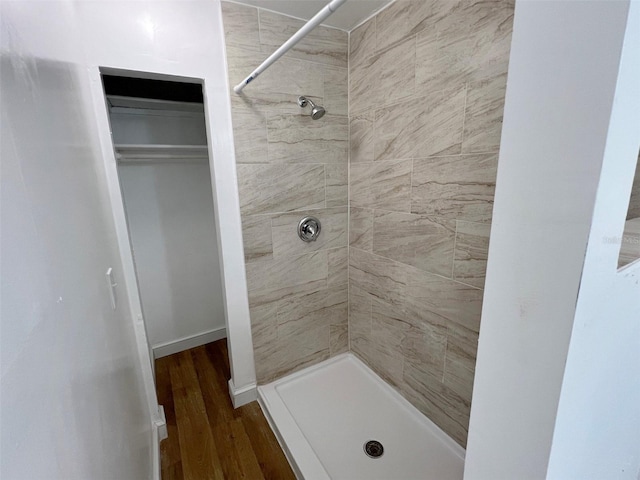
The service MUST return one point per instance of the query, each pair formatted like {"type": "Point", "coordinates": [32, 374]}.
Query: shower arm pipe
{"type": "Point", "coordinates": [286, 46]}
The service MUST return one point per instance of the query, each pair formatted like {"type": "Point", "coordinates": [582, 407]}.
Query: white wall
{"type": "Point", "coordinates": [184, 39]}
{"type": "Point", "coordinates": [173, 234]}
{"type": "Point", "coordinates": [597, 433]}
{"type": "Point", "coordinates": [71, 397]}
{"type": "Point", "coordinates": [562, 77]}
{"type": "Point", "coordinates": [71, 393]}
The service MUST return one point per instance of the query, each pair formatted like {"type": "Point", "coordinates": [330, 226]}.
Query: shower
{"type": "Point", "coordinates": [317, 111]}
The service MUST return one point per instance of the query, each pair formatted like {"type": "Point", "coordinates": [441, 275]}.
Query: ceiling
{"type": "Point", "coordinates": [348, 16]}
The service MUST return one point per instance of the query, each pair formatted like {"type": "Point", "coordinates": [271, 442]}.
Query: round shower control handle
{"type": "Point", "coordinates": [309, 229]}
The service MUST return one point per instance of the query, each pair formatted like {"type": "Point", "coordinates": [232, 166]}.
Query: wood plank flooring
{"type": "Point", "coordinates": [208, 439]}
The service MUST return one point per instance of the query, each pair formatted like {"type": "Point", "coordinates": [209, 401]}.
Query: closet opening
{"type": "Point", "coordinates": [159, 137]}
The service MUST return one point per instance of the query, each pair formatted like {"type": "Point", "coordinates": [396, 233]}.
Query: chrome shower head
{"type": "Point", "coordinates": [316, 110]}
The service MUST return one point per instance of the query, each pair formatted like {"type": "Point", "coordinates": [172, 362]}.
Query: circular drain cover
{"type": "Point", "coordinates": [373, 449]}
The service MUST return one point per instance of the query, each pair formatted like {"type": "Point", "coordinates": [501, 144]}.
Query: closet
{"type": "Point", "coordinates": [159, 136]}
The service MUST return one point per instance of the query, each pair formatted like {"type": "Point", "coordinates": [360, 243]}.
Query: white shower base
{"type": "Point", "coordinates": [324, 414]}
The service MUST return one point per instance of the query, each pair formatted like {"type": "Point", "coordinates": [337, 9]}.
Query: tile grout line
{"type": "Point", "coordinates": [259, 30]}
{"type": "Point", "coordinates": [415, 66]}
{"type": "Point", "coordinates": [373, 16]}
{"type": "Point", "coordinates": [349, 192]}
{"type": "Point", "coordinates": [464, 117]}
{"type": "Point", "coordinates": [236, 2]}
{"type": "Point", "coordinates": [455, 243]}
{"type": "Point", "coordinates": [324, 168]}
{"type": "Point", "coordinates": [444, 277]}
{"type": "Point", "coordinates": [444, 360]}
{"type": "Point", "coordinates": [241, 47]}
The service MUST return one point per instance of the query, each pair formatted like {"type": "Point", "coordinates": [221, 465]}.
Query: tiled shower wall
{"type": "Point", "coordinates": [290, 166]}
{"type": "Point", "coordinates": [426, 89]}
{"type": "Point", "coordinates": [634, 201]}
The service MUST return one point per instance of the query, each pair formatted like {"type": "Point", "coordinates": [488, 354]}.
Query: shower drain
{"type": "Point", "coordinates": [373, 449]}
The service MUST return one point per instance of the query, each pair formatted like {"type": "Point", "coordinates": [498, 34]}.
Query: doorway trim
{"type": "Point", "coordinates": [217, 107]}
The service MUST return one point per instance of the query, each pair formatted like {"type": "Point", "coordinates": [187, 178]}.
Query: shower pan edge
{"type": "Point", "coordinates": [324, 414]}
{"type": "Point", "coordinates": [295, 447]}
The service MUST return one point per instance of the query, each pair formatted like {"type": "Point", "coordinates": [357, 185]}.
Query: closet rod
{"type": "Point", "coordinates": [286, 46]}
{"type": "Point", "coordinates": [135, 153]}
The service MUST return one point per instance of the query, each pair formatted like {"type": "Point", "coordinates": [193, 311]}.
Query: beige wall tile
{"type": "Point", "coordinates": [483, 115]}
{"type": "Point", "coordinates": [287, 272]}
{"type": "Point", "coordinates": [360, 346]}
{"type": "Point", "coordinates": [241, 26]}
{"type": "Point", "coordinates": [264, 104]}
{"type": "Point", "coordinates": [470, 43]}
{"type": "Point", "coordinates": [472, 248]}
{"type": "Point", "coordinates": [419, 240]}
{"type": "Point", "coordinates": [404, 18]}
{"type": "Point", "coordinates": [442, 405]}
{"type": "Point", "coordinates": [308, 174]}
{"type": "Point", "coordinates": [299, 139]}
{"type": "Point", "coordinates": [456, 187]}
{"type": "Point", "coordinates": [440, 301]}
{"type": "Point", "coordinates": [322, 45]}
{"type": "Point", "coordinates": [256, 234]}
{"type": "Point", "coordinates": [282, 292]}
{"type": "Point", "coordinates": [383, 78]}
{"type": "Point", "coordinates": [280, 188]}
{"type": "Point", "coordinates": [630, 247]}
{"type": "Point", "coordinates": [275, 359]}
{"type": "Point", "coordinates": [421, 296]}
{"type": "Point", "coordinates": [422, 126]}
{"type": "Point", "coordinates": [286, 339]}
{"type": "Point", "coordinates": [444, 55]}
{"type": "Point", "coordinates": [388, 332]}
{"type": "Point", "coordinates": [362, 42]}
{"type": "Point", "coordinates": [462, 345]}
{"type": "Point", "coordinates": [338, 299]}
{"type": "Point", "coordinates": [361, 138]}
{"type": "Point", "coordinates": [337, 184]}
{"type": "Point", "coordinates": [288, 76]}
{"type": "Point", "coordinates": [338, 263]}
{"type": "Point", "coordinates": [336, 91]}
{"type": "Point", "coordinates": [412, 69]}
{"type": "Point", "coordinates": [361, 228]}
{"type": "Point", "coordinates": [448, 126]}
{"type": "Point", "coordinates": [250, 136]}
{"type": "Point", "coordinates": [338, 339]}
{"type": "Point", "coordinates": [491, 24]}
{"type": "Point", "coordinates": [382, 185]}
{"type": "Point", "coordinates": [459, 378]}
{"type": "Point", "coordinates": [425, 345]}
{"type": "Point", "coordinates": [303, 312]}
{"type": "Point", "coordinates": [264, 323]}
{"type": "Point", "coordinates": [359, 310]}
{"type": "Point", "coordinates": [378, 276]}
{"type": "Point", "coordinates": [634, 201]}
{"type": "Point", "coordinates": [333, 231]}
{"type": "Point", "coordinates": [359, 321]}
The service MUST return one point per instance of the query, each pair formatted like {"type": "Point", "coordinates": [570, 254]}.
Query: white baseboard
{"type": "Point", "coordinates": [157, 468]}
{"type": "Point", "coordinates": [244, 395]}
{"type": "Point", "coordinates": [159, 433]}
{"type": "Point", "coordinates": [185, 343]}
{"type": "Point", "coordinates": [161, 424]}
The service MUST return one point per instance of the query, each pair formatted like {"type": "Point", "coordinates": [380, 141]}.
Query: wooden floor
{"type": "Point", "coordinates": [208, 439]}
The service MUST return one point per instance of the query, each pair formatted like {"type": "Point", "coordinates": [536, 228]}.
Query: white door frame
{"type": "Point", "coordinates": [242, 385]}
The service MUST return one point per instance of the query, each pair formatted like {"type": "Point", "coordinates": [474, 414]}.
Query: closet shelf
{"type": "Point", "coordinates": [131, 153]}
